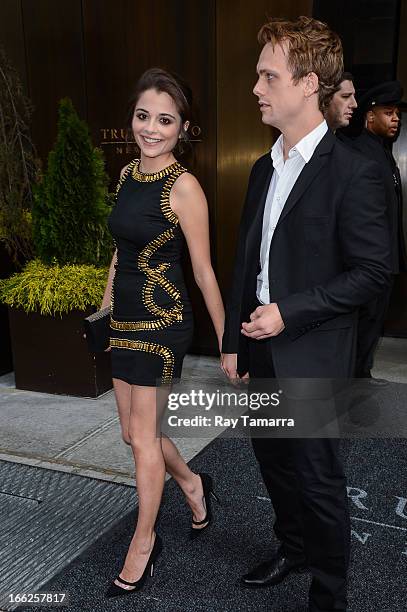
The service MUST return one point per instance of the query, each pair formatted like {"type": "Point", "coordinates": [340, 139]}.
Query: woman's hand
{"type": "Point", "coordinates": [229, 366]}
{"type": "Point", "coordinates": [228, 363]}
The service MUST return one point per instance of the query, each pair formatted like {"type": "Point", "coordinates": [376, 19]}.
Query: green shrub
{"type": "Point", "coordinates": [71, 202]}
{"type": "Point", "coordinates": [54, 289]}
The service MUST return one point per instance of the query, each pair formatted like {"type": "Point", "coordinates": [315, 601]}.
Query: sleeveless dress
{"type": "Point", "coordinates": [151, 317]}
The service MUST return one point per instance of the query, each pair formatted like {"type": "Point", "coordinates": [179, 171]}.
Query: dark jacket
{"type": "Point", "coordinates": [377, 149]}
{"type": "Point", "coordinates": [330, 253]}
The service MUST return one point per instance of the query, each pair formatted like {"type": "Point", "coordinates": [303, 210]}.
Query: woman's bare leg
{"type": "Point", "coordinates": [189, 482]}
{"type": "Point", "coordinates": [150, 474]}
{"type": "Point", "coordinates": [122, 391]}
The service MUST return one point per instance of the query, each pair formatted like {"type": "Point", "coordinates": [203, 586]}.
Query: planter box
{"type": "Point", "coordinates": [51, 355]}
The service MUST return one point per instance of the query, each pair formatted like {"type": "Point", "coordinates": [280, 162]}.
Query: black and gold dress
{"type": "Point", "coordinates": [151, 316]}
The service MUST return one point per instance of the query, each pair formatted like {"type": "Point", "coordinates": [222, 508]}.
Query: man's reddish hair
{"type": "Point", "coordinates": [311, 47]}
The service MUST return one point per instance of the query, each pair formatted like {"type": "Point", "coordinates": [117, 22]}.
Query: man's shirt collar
{"type": "Point", "coordinates": [305, 147]}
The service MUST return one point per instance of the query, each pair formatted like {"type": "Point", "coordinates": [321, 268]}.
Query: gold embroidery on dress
{"type": "Point", "coordinates": [125, 175]}
{"type": "Point", "coordinates": [167, 211]}
{"type": "Point", "coordinates": [155, 276]}
{"type": "Point", "coordinates": [149, 347]}
{"type": "Point", "coordinates": [149, 177]}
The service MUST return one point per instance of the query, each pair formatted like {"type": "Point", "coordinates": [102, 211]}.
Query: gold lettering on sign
{"type": "Point", "coordinates": [118, 137]}
{"type": "Point", "coordinates": [127, 150]}
{"type": "Point", "coordinates": [113, 136]}
{"type": "Point", "coordinates": [196, 130]}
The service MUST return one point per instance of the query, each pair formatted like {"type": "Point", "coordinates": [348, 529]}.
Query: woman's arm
{"type": "Point", "coordinates": [108, 290]}
{"type": "Point", "coordinates": [112, 269]}
{"type": "Point", "coordinates": [188, 202]}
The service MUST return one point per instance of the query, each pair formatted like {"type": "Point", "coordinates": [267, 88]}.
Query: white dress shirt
{"type": "Point", "coordinates": [284, 177]}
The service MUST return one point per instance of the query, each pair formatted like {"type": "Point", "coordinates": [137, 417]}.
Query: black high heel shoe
{"type": "Point", "coordinates": [208, 492]}
{"type": "Point", "coordinates": [115, 591]}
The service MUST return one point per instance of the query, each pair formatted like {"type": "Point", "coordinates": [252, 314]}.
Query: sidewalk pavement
{"type": "Point", "coordinates": [51, 516]}
{"type": "Point", "coordinates": [79, 435]}
{"type": "Point", "coordinates": [82, 436]}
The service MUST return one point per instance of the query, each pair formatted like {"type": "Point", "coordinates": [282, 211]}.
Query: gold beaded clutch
{"type": "Point", "coordinates": [97, 329]}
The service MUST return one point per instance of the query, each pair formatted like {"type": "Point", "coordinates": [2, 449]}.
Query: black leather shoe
{"type": "Point", "coordinates": [116, 591]}
{"type": "Point", "coordinates": [208, 491]}
{"type": "Point", "coordinates": [272, 572]}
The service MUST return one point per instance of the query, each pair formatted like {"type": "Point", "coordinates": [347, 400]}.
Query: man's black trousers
{"type": "Point", "coordinates": [306, 483]}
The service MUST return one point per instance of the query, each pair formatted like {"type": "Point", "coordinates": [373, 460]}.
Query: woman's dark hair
{"type": "Point", "coordinates": [169, 83]}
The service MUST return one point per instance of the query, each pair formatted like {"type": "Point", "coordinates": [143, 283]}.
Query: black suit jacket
{"type": "Point", "coordinates": [330, 253]}
{"type": "Point", "coordinates": [373, 147]}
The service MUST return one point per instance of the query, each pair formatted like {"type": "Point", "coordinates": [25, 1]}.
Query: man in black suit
{"type": "Point", "coordinates": [312, 246]}
{"type": "Point", "coordinates": [381, 113]}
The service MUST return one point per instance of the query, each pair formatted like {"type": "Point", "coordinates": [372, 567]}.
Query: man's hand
{"type": "Point", "coordinates": [265, 322]}
{"type": "Point", "coordinates": [228, 363]}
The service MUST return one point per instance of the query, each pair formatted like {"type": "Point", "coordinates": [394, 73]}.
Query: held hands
{"type": "Point", "coordinates": [228, 363]}
{"type": "Point", "coordinates": [265, 322]}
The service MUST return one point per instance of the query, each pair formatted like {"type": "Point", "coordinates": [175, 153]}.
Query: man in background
{"type": "Point", "coordinates": [340, 110]}
{"type": "Point", "coordinates": [380, 106]}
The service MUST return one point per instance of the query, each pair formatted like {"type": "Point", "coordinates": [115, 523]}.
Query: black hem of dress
{"type": "Point", "coordinates": [141, 384]}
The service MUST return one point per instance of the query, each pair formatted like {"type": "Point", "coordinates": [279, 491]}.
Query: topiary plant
{"type": "Point", "coordinates": [54, 289]}
{"type": "Point", "coordinates": [18, 165]}
{"type": "Point", "coordinates": [69, 222]}
{"type": "Point", "coordinates": [71, 202]}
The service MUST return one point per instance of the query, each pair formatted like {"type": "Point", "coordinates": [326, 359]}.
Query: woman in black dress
{"type": "Point", "coordinates": [158, 204]}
